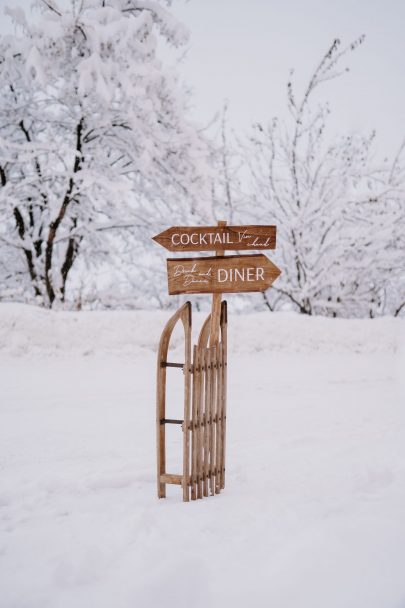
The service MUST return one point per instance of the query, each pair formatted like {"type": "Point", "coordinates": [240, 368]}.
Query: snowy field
{"type": "Point", "coordinates": [313, 512]}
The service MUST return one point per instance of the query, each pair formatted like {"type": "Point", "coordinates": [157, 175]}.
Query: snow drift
{"type": "Point", "coordinates": [25, 329]}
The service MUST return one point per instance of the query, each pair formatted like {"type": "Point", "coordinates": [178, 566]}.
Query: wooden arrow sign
{"type": "Point", "coordinates": [213, 238]}
{"type": "Point", "coordinates": [232, 274]}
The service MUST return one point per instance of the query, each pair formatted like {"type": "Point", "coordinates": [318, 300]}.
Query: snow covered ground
{"type": "Point", "coordinates": [313, 512]}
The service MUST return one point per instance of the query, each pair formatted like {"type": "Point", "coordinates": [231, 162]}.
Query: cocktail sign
{"type": "Point", "coordinates": [213, 238]}
{"type": "Point", "coordinates": [205, 367]}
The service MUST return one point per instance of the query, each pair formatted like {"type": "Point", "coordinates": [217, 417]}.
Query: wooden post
{"type": "Point", "coordinates": [214, 325]}
{"type": "Point", "coordinates": [215, 322]}
{"type": "Point", "coordinates": [216, 304]}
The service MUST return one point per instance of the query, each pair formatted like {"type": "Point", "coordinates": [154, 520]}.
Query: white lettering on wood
{"type": "Point", "coordinates": [191, 275]}
{"type": "Point", "coordinates": [222, 275]}
{"type": "Point", "coordinates": [253, 241]}
{"type": "Point", "coordinates": [240, 274]}
{"type": "Point", "coordinates": [219, 238]}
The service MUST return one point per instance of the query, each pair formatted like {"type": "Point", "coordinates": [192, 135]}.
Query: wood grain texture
{"type": "Point", "coordinates": [232, 274]}
{"type": "Point", "coordinates": [204, 333]}
{"type": "Point", "coordinates": [170, 478]}
{"type": "Point", "coordinates": [213, 238]}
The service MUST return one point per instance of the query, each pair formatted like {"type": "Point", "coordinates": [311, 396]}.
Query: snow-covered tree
{"type": "Point", "coordinates": [376, 221]}
{"type": "Point", "coordinates": [340, 216]}
{"type": "Point", "coordinates": [93, 139]}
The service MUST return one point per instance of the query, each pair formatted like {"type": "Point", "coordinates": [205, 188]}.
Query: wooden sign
{"type": "Point", "coordinates": [213, 238]}
{"type": "Point", "coordinates": [231, 274]}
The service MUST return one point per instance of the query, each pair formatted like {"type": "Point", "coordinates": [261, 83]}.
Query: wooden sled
{"type": "Point", "coordinates": [204, 421]}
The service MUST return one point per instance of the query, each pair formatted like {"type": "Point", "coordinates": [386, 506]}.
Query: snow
{"type": "Point", "coordinates": [30, 330]}
{"type": "Point", "coordinates": [312, 513]}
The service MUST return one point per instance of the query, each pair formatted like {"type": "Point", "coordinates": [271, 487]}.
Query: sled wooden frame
{"type": "Point", "coordinates": [204, 418]}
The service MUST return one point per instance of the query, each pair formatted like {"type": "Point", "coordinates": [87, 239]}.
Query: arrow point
{"type": "Point", "coordinates": [157, 237]}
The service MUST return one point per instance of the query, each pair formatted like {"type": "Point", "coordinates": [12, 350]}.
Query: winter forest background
{"type": "Point", "coordinates": [118, 119]}
{"type": "Point", "coordinates": [99, 152]}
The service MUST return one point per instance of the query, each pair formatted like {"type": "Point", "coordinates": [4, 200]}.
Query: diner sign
{"type": "Point", "coordinates": [231, 274]}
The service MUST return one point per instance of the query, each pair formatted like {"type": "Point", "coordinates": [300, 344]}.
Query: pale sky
{"type": "Point", "coordinates": [243, 50]}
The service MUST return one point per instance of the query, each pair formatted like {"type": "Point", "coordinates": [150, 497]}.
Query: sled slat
{"type": "Point", "coordinates": [193, 425]}
{"type": "Point", "coordinates": [207, 425]}
{"type": "Point", "coordinates": [201, 424]}
{"type": "Point", "coordinates": [212, 417]}
{"type": "Point", "coordinates": [198, 379]}
{"type": "Point", "coordinates": [224, 371]}
{"type": "Point", "coordinates": [218, 407]}
{"type": "Point", "coordinates": [207, 405]}
{"type": "Point", "coordinates": [169, 478]}
{"type": "Point", "coordinates": [186, 421]}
